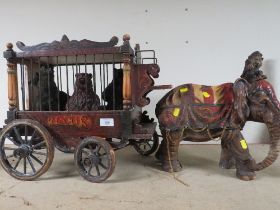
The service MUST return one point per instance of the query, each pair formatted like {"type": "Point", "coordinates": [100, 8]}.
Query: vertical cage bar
{"type": "Point", "coordinates": [73, 76]}
{"type": "Point", "coordinates": [60, 78]}
{"type": "Point", "coordinates": [107, 76]}
{"type": "Point", "coordinates": [32, 81]}
{"type": "Point", "coordinates": [77, 71]}
{"type": "Point", "coordinates": [39, 84]}
{"type": "Point", "coordinates": [22, 83]}
{"type": "Point", "coordinates": [49, 84]}
{"type": "Point", "coordinates": [86, 82]}
{"type": "Point", "coordinates": [76, 63]}
{"type": "Point", "coordinates": [26, 86]}
{"type": "Point", "coordinates": [58, 84]}
{"type": "Point", "coordinates": [93, 74]}
{"type": "Point", "coordinates": [103, 78]}
{"type": "Point", "coordinates": [67, 85]}
{"type": "Point", "coordinates": [113, 80]}
{"type": "Point", "coordinates": [101, 86]}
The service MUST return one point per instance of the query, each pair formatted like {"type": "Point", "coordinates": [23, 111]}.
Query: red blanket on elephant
{"type": "Point", "coordinates": [197, 106]}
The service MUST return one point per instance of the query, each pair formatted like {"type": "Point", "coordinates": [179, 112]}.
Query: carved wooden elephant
{"type": "Point", "coordinates": [200, 113]}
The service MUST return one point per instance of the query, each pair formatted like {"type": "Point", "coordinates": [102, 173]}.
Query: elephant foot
{"type": "Point", "coordinates": [171, 166]}
{"type": "Point", "coordinates": [246, 175]}
{"type": "Point", "coordinates": [227, 163]}
{"type": "Point", "coordinates": [244, 169]}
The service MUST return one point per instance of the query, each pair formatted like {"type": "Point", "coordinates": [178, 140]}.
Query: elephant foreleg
{"type": "Point", "coordinates": [240, 151]}
{"type": "Point", "coordinates": [227, 160]}
{"type": "Point", "coordinates": [168, 150]}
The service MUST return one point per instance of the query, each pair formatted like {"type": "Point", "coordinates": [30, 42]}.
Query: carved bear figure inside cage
{"type": "Point", "coordinates": [45, 89]}
{"type": "Point", "coordinates": [113, 92]}
{"type": "Point", "coordinates": [83, 98]}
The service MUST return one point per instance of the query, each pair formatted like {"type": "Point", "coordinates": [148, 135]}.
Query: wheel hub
{"type": "Point", "coordinates": [95, 159]}
{"type": "Point", "coordinates": [92, 159]}
{"type": "Point", "coordinates": [23, 151]}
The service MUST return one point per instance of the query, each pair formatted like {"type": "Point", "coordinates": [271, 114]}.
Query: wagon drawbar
{"type": "Point", "coordinates": [82, 96]}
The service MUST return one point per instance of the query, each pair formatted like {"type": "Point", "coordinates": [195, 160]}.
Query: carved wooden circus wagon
{"type": "Point", "coordinates": [78, 96]}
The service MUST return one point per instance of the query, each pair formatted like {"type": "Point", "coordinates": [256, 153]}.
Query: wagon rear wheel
{"type": "Point", "coordinates": [95, 159]}
{"type": "Point", "coordinates": [26, 149]}
{"type": "Point", "coordinates": [146, 147]}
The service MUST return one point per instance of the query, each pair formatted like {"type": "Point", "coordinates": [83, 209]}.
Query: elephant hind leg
{"type": "Point", "coordinates": [167, 153]}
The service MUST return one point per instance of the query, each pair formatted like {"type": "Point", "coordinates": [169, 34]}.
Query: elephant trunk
{"type": "Point", "coordinates": [274, 135]}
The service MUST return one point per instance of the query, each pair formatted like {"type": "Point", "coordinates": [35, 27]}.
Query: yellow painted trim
{"type": "Point", "coordinates": [176, 112]}
{"type": "Point", "coordinates": [243, 144]}
{"type": "Point", "coordinates": [205, 94]}
{"type": "Point", "coordinates": [184, 90]}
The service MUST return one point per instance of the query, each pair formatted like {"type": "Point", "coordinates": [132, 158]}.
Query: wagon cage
{"type": "Point", "coordinates": [82, 96]}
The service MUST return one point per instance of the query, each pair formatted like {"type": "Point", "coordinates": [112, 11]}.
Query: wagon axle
{"type": "Point", "coordinates": [23, 151]}
{"type": "Point", "coordinates": [92, 160]}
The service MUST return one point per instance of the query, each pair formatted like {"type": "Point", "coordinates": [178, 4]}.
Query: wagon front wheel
{"type": "Point", "coordinates": [95, 159]}
{"type": "Point", "coordinates": [26, 149]}
{"type": "Point", "coordinates": [146, 147]}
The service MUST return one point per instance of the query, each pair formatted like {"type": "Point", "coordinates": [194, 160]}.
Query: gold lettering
{"type": "Point", "coordinates": [77, 121]}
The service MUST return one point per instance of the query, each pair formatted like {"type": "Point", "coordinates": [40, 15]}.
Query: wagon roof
{"type": "Point", "coordinates": [67, 47]}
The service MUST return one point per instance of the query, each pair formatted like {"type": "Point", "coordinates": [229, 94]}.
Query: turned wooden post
{"type": "Point", "coordinates": [126, 77]}
{"type": "Point", "coordinates": [12, 78]}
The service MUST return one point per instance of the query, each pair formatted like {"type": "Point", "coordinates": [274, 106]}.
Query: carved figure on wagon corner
{"type": "Point", "coordinates": [47, 95]}
{"type": "Point", "coordinates": [200, 113]}
{"type": "Point", "coordinates": [114, 90]}
{"type": "Point", "coordinates": [83, 98]}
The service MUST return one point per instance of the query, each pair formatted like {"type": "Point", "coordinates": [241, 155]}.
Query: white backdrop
{"type": "Point", "coordinates": [203, 42]}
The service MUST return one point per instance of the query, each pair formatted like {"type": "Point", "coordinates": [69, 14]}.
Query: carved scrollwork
{"type": "Point", "coordinates": [65, 43]}
{"type": "Point", "coordinates": [144, 84]}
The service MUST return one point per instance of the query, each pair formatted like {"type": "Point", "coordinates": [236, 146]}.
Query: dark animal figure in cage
{"type": "Point", "coordinates": [83, 98]}
{"type": "Point", "coordinates": [47, 95]}
{"type": "Point", "coordinates": [114, 91]}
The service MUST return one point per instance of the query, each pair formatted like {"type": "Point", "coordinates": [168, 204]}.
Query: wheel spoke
{"type": "Point", "coordinates": [11, 139]}
{"type": "Point", "coordinates": [103, 166]}
{"type": "Point", "coordinates": [85, 152]}
{"type": "Point", "coordinates": [9, 156]}
{"type": "Point", "coordinates": [36, 159]}
{"type": "Point", "coordinates": [9, 148]}
{"type": "Point", "coordinates": [102, 155]}
{"type": "Point", "coordinates": [145, 146]}
{"type": "Point", "coordinates": [91, 149]}
{"type": "Point", "coordinates": [97, 149]}
{"type": "Point", "coordinates": [148, 144]}
{"type": "Point", "coordinates": [15, 167]}
{"type": "Point", "coordinates": [90, 168]}
{"type": "Point", "coordinates": [32, 137]}
{"type": "Point", "coordinates": [39, 153]}
{"type": "Point", "coordinates": [18, 135]}
{"type": "Point", "coordinates": [31, 164]}
{"type": "Point", "coordinates": [97, 170]}
{"type": "Point", "coordinates": [38, 145]}
{"type": "Point", "coordinates": [24, 165]}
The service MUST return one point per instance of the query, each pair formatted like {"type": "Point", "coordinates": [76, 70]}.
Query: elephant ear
{"type": "Point", "coordinates": [240, 104]}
